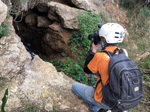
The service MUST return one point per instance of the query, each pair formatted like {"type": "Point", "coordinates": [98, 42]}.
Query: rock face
{"type": "Point", "coordinates": [33, 81]}
{"type": "Point", "coordinates": [67, 15]}
{"type": "Point", "coordinates": [56, 39]}
{"type": "Point", "coordinates": [48, 42]}
{"type": "Point", "coordinates": [3, 11]}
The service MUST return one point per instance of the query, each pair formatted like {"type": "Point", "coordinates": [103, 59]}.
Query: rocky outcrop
{"type": "Point", "coordinates": [3, 11]}
{"type": "Point", "coordinates": [56, 39]}
{"type": "Point", "coordinates": [66, 15]}
{"type": "Point", "coordinates": [33, 81]}
{"type": "Point", "coordinates": [13, 56]}
{"type": "Point", "coordinates": [44, 13]}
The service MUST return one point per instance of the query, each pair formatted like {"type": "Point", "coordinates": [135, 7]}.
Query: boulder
{"type": "Point", "coordinates": [13, 55]}
{"type": "Point", "coordinates": [3, 12]}
{"type": "Point", "coordinates": [42, 7]}
{"type": "Point", "coordinates": [43, 21]}
{"type": "Point", "coordinates": [65, 14]}
{"type": "Point", "coordinates": [56, 39]}
{"type": "Point", "coordinates": [31, 19]}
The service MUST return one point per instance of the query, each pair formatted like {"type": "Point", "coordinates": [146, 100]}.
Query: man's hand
{"type": "Point", "coordinates": [95, 47]}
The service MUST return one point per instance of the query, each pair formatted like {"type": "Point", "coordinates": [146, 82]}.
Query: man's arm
{"type": "Point", "coordinates": [88, 59]}
{"type": "Point", "coordinates": [90, 56]}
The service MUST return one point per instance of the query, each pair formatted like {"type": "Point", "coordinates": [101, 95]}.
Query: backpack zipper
{"type": "Point", "coordinates": [124, 69]}
{"type": "Point", "coordinates": [129, 89]}
{"type": "Point", "coordinates": [118, 62]}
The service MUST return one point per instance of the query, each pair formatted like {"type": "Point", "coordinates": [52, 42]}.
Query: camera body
{"type": "Point", "coordinates": [95, 36]}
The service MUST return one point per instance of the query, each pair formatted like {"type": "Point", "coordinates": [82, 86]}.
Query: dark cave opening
{"type": "Point", "coordinates": [31, 32]}
{"type": "Point", "coordinates": [43, 33]}
{"type": "Point", "coordinates": [30, 35]}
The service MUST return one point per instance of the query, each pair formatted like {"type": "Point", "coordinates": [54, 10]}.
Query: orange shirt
{"type": "Point", "coordinates": [100, 63]}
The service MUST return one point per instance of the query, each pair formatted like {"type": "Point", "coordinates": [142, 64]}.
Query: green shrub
{"type": "Point", "coordinates": [130, 4]}
{"type": "Point", "coordinates": [144, 12]}
{"type": "Point", "coordinates": [74, 70]}
{"type": "Point", "coordinates": [144, 65]}
{"type": "Point", "coordinates": [30, 107]}
{"type": "Point", "coordinates": [4, 29]}
{"type": "Point", "coordinates": [89, 24]}
{"type": "Point", "coordinates": [146, 77]}
{"type": "Point", "coordinates": [147, 63]}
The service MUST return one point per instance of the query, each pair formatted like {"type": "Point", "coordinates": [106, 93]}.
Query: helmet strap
{"type": "Point", "coordinates": [103, 45]}
{"type": "Point", "coordinates": [112, 45]}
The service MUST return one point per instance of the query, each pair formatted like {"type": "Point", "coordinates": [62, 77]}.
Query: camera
{"type": "Point", "coordinates": [95, 36]}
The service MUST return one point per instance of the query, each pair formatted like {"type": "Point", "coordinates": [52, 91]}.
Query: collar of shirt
{"type": "Point", "coordinates": [110, 48]}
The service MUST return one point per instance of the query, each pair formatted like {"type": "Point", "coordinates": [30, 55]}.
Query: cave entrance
{"type": "Point", "coordinates": [33, 28]}
{"type": "Point", "coordinates": [31, 35]}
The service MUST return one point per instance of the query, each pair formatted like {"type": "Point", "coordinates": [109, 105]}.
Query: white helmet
{"type": "Point", "coordinates": [112, 32]}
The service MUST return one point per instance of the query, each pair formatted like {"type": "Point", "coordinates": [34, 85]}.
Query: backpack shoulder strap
{"type": "Point", "coordinates": [120, 51]}
{"type": "Point", "coordinates": [117, 49]}
{"type": "Point", "coordinates": [100, 80]}
{"type": "Point", "coordinates": [109, 53]}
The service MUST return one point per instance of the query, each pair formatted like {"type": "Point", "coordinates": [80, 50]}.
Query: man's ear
{"type": "Point", "coordinates": [103, 39]}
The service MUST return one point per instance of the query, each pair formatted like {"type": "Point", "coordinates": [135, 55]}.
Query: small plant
{"type": "Point", "coordinates": [73, 70]}
{"type": "Point", "coordinates": [4, 29]}
{"type": "Point", "coordinates": [4, 101]}
{"type": "Point", "coordinates": [146, 77]}
{"type": "Point", "coordinates": [130, 4]}
{"type": "Point", "coordinates": [147, 63]}
{"type": "Point", "coordinates": [2, 84]}
{"type": "Point", "coordinates": [30, 108]}
{"type": "Point", "coordinates": [144, 65]}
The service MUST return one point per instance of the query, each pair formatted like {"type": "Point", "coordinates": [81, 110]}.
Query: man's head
{"type": "Point", "coordinates": [112, 33]}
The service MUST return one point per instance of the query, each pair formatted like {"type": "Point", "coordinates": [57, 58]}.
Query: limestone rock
{"type": "Point", "coordinates": [3, 12]}
{"type": "Point", "coordinates": [43, 21]}
{"type": "Point", "coordinates": [57, 39]}
{"type": "Point", "coordinates": [31, 19]}
{"type": "Point", "coordinates": [42, 7]}
{"type": "Point", "coordinates": [143, 56]}
{"type": "Point", "coordinates": [13, 55]}
{"type": "Point", "coordinates": [65, 14]}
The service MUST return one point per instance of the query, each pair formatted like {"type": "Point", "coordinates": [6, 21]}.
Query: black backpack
{"type": "Point", "coordinates": [125, 88]}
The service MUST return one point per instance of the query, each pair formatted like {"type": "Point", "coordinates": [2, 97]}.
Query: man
{"type": "Point", "coordinates": [110, 35]}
